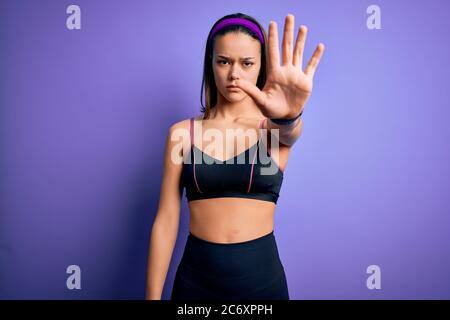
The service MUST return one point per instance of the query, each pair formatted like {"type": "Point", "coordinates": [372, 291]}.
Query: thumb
{"type": "Point", "coordinates": [253, 91]}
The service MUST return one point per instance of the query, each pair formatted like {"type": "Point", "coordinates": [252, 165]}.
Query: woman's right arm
{"type": "Point", "coordinates": [165, 226]}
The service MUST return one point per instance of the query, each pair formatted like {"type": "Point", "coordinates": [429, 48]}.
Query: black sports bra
{"type": "Point", "coordinates": [245, 175]}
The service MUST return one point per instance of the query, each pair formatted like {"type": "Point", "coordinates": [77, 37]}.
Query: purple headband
{"type": "Point", "coordinates": [238, 21]}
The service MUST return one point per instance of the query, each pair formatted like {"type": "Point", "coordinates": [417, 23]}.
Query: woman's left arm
{"type": "Point", "coordinates": [289, 133]}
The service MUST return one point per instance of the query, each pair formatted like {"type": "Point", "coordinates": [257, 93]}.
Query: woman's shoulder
{"type": "Point", "coordinates": [182, 130]}
{"type": "Point", "coordinates": [185, 123]}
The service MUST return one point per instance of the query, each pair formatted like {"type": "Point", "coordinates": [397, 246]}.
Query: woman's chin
{"type": "Point", "coordinates": [235, 96]}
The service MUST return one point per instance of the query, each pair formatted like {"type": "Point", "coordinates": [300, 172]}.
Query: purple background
{"type": "Point", "coordinates": [84, 115]}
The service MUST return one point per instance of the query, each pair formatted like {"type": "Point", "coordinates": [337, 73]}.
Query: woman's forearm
{"type": "Point", "coordinates": [288, 134]}
{"type": "Point", "coordinates": [162, 242]}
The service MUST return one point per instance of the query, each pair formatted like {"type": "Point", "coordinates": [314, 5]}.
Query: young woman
{"type": "Point", "coordinates": [231, 252]}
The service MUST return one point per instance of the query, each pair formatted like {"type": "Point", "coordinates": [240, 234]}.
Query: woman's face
{"type": "Point", "coordinates": [235, 55]}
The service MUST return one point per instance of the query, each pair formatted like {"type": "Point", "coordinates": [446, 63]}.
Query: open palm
{"type": "Point", "coordinates": [287, 87]}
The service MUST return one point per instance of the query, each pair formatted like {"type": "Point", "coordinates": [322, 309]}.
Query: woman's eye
{"type": "Point", "coordinates": [246, 63]}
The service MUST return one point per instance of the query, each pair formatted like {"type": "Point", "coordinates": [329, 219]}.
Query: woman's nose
{"type": "Point", "coordinates": [234, 74]}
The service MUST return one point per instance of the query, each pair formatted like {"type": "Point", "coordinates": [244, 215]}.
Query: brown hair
{"type": "Point", "coordinates": [208, 83]}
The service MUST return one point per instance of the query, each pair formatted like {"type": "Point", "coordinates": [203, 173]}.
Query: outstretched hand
{"type": "Point", "coordinates": [287, 86]}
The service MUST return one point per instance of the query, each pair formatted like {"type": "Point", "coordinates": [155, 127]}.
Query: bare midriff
{"type": "Point", "coordinates": [231, 220]}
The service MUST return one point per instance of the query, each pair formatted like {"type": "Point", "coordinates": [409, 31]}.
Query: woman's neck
{"type": "Point", "coordinates": [227, 111]}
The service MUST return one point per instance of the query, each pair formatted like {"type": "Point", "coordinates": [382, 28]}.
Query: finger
{"type": "Point", "coordinates": [315, 59]}
{"type": "Point", "coordinates": [273, 52]}
{"type": "Point", "coordinates": [288, 39]}
{"type": "Point", "coordinates": [300, 46]}
{"type": "Point", "coordinates": [253, 91]}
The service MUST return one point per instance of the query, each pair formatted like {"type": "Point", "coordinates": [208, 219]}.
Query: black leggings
{"type": "Point", "coordinates": [230, 271]}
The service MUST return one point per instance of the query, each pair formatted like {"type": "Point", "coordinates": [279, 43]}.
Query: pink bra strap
{"type": "Point", "coordinates": [254, 156]}
{"type": "Point", "coordinates": [193, 151]}
{"type": "Point", "coordinates": [267, 141]}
